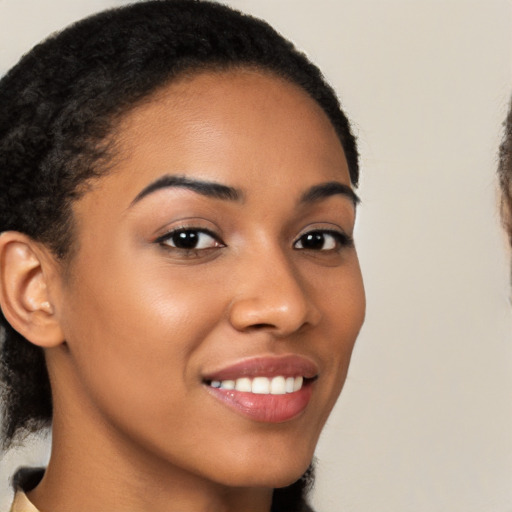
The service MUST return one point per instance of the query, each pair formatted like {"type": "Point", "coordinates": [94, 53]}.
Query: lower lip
{"type": "Point", "coordinates": [265, 408]}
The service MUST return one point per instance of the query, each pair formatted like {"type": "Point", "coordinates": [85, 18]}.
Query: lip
{"type": "Point", "coordinates": [266, 408]}
{"type": "Point", "coordinates": [266, 366]}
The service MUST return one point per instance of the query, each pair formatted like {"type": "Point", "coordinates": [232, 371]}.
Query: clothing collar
{"type": "Point", "coordinates": [24, 480]}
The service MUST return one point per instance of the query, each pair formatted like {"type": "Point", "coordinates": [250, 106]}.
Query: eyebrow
{"type": "Point", "coordinates": [227, 193]}
{"type": "Point", "coordinates": [205, 188]}
{"type": "Point", "coordinates": [331, 188]}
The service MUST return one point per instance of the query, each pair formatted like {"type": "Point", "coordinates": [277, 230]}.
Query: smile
{"type": "Point", "coordinates": [265, 389]}
{"type": "Point", "coordinates": [279, 385]}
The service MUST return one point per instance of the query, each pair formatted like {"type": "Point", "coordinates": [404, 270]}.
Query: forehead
{"type": "Point", "coordinates": [240, 127]}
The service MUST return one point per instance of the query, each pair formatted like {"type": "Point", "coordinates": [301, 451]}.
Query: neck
{"type": "Point", "coordinates": [118, 479]}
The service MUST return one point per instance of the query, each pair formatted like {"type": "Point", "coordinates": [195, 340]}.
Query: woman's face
{"type": "Point", "coordinates": [216, 253]}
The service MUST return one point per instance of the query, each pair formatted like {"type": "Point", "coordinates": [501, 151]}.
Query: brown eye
{"type": "Point", "coordinates": [190, 239]}
{"type": "Point", "coordinates": [321, 240]}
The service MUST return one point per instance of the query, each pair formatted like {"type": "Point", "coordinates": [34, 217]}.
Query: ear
{"type": "Point", "coordinates": [26, 269]}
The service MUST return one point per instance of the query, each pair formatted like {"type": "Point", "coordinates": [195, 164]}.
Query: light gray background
{"type": "Point", "coordinates": [425, 421]}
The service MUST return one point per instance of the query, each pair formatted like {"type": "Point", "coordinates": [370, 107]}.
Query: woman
{"type": "Point", "coordinates": [179, 284]}
{"type": "Point", "coordinates": [505, 175]}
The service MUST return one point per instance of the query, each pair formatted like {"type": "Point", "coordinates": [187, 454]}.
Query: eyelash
{"type": "Point", "coordinates": [164, 239]}
{"type": "Point", "coordinates": [339, 240]}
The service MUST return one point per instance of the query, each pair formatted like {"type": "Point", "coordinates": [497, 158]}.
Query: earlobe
{"type": "Point", "coordinates": [25, 298]}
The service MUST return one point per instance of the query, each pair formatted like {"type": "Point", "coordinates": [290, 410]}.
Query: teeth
{"type": "Point", "coordinates": [278, 386]}
{"type": "Point", "coordinates": [227, 384]}
{"type": "Point", "coordinates": [243, 384]}
{"type": "Point", "coordinates": [262, 385]}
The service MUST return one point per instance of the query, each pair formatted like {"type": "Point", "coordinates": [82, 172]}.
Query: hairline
{"type": "Point", "coordinates": [112, 143]}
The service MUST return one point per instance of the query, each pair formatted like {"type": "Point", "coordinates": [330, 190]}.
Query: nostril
{"type": "Point", "coordinates": [258, 327]}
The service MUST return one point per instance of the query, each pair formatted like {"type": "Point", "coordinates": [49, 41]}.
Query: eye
{"type": "Point", "coordinates": [190, 239]}
{"type": "Point", "coordinates": [323, 240]}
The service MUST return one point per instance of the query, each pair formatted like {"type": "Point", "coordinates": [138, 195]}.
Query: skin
{"type": "Point", "coordinates": [135, 427]}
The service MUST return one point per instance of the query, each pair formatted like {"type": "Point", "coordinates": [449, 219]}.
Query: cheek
{"type": "Point", "coordinates": [339, 294]}
{"type": "Point", "coordinates": [132, 336]}
{"type": "Point", "coordinates": [343, 303]}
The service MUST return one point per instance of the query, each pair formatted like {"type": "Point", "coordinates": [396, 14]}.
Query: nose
{"type": "Point", "coordinates": [270, 295]}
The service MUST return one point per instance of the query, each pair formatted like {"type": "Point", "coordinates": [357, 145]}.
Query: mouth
{"type": "Point", "coordinates": [266, 389]}
{"type": "Point", "coordinates": [278, 385]}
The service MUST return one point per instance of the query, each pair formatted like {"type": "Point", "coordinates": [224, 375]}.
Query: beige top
{"type": "Point", "coordinates": [22, 504]}
{"type": "Point", "coordinates": [23, 481]}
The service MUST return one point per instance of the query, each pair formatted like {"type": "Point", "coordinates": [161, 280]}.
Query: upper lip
{"type": "Point", "coordinates": [267, 366]}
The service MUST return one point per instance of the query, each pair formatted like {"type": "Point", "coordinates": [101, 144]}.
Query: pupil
{"type": "Point", "coordinates": [313, 241]}
{"type": "Point", "coordinates": [186, 240]}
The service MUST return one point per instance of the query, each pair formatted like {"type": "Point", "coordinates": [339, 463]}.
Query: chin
{"type": "Point", "coordinates": [285, 480]}
{"type": "Point", "coordinates": [274, 473]}
{"type": "Point", "coordinates": [271, 460]}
